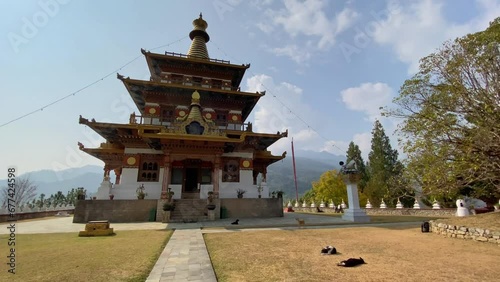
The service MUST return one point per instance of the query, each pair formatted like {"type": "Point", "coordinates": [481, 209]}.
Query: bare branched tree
{"type": "Point", "coordinates": [25, 192]}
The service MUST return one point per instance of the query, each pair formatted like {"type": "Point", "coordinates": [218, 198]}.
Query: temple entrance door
{"type": "Point", "coordinates": [191, 180]}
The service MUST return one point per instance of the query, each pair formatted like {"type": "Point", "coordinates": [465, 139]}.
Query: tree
{"type": "Point", "coordinates": [330, 186]}
{"type": "Point", "coordinates": [25, 191]}
{"type": "Point", "coordinates": [354, 153]}
{"type": "Point", "coordinates": [71, 196]}
{"type": "Point", "coordinates": [384, 169]}
{"type": "Point", "coordinates": [450, 113]}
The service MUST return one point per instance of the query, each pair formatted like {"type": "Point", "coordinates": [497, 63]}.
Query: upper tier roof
{"type": "Point", "coordinates": [184, 64]}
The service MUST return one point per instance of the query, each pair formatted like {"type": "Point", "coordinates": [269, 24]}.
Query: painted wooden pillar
{"type": "Point", "coordinates": [166, 176]}
{"type": "Point", "coordinates": [216, 172]}
{"type": "Point", "coordinates": [118, 173]}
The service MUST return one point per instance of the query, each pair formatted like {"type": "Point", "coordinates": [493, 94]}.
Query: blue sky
{"type": "Point", "coordinates": [327, 66]}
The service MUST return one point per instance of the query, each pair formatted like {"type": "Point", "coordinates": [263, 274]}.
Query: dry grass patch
{"type": "Point", "coordinates": [391, 254]}
{"type": "Point", "coordinates": [127, 256]}
{"type": "Point", "coordinates": [489, 220]}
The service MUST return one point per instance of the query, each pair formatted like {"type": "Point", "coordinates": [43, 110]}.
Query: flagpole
{"type": "Point", "coordinates": [295, 174]}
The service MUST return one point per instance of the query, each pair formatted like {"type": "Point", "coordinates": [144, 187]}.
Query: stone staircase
{"type": "Point", "coordinates": [189, 210]}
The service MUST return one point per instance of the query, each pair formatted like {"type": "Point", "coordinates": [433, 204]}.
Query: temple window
{"type": "Point", "coordinates": [177, 78]}
{"type": "Point", "coordinates": [148, 172]}
{"type": "Point", "coordinates": [231, 172]}
{"type": "Point", "coordinates": [167, 115]}
{"type": "Point", "coordinates": [216, 83]}
{"type": "Point", "coordinates": [176, 176]}
{"type": "Point", "coordinates": [197, 81]}
{"type": "Point", "coordinates": [221, 119]}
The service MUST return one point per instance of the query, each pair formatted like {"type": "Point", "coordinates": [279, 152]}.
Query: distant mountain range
{"type": "Point", "coordinates": [310, 165]}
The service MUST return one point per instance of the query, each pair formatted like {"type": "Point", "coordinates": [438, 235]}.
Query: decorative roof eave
{"type": "Point", "coordinates": [101, 128]}
{"type": "Point", "coordinates": [109, 155]}
{"type": "Point", "coordinates": [264, 139]}
{"type": "Point", "coordinates": [198, 88]}
{"type": "Point", "coordinates": [177, 136]}
{"type": "Point", "coordinates": [265, 157]}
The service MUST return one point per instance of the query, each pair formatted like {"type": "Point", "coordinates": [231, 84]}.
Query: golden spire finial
{"type": "Point", "coordinates": [199, 38]}
{"type": "Point", "coordinates": [195, 98]}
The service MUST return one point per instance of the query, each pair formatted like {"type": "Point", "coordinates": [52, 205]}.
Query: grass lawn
{"type": "Point", "coordinates": [127, 256]}
{"type": "Point", "coordinates": [399, 254]}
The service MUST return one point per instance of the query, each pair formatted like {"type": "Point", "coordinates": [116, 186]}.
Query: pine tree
{"type": "Point", "coordinates": [383, 167]}
{"type": "Point", "coordinates": [354, 153]}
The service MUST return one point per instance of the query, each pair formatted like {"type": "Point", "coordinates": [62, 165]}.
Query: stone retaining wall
{"type": "Point", "coordinates": [463, 232]}
{"type": "Point", "coordinates": [116, 211]}
{"type": "Point", "coordinates": [36, 214]}
{"type": "Point", "coordinates": [253, 208]}
{"type": "Point", "coordinates": [416, 212]}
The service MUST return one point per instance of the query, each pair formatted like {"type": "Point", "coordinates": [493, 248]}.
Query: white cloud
{"type": "Point", "coordinates": [367, 98]}
{"type": "Point", "coordinates": [294, 52]}
{"type": "Point", "coordinates": [308, 19]}
{"type": "Point", "coordinates": [363, 140]}
{"type": "Point", "coordinates": [420, 28]}
{"type": "Point", "coordinates": [272, 116]}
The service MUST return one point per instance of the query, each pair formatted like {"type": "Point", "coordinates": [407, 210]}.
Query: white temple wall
{"type": "Point", "coordinates": [129, 184]}
{"type": "Point", "coordinates": [228, 189]}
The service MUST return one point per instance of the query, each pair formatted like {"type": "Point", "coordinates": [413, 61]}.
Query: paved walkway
{"type": "Point", "coordinates": [185, 258]}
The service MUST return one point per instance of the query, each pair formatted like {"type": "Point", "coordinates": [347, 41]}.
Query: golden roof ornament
{"type": "Point", "coordinates": [195, 98]}
{"type": "Point", "coordinates": [199, 38]}
{"type": "Point", "coordinates": [200, 24]}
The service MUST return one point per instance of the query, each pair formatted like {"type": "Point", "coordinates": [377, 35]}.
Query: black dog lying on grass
{"type": "Point", "coordinates": [351, 262]}
{"type": "Point", "coordinates": [328, 250]}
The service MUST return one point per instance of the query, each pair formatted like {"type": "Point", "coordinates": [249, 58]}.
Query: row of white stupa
{"type": "Point", "coordinates": [416, 205]}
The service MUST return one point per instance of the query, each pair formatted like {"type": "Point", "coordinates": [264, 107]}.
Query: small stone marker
{"type": "Point", "coordinates": [62, 213]}
{"type": "Point", "coordinates": [96, 228]}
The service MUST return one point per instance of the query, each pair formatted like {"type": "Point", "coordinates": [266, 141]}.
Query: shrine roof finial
{"type": "Point", "coordinates": [199, 38]}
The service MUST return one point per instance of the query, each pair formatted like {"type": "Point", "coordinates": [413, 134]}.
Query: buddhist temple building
{"type": "Point", "coordinates": [190, 134]}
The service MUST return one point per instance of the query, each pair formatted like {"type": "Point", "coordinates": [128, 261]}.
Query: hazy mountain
{"type": "Point", "coordinates": [49, 182]}
{"type": "Point", "coordinates": [310, 165]}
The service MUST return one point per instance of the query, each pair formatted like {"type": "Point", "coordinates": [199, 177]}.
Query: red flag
{"type": "Point", "coordinates": [295, 174]}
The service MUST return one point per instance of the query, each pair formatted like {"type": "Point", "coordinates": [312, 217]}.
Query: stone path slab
{"type": "Point", "coordinates": [185, 258]}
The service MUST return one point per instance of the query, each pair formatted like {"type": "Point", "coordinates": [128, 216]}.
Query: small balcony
{"type": "Point", "coordinates": [173, 126]}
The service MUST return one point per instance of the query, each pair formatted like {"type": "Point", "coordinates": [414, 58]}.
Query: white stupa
{"type": "Point", "coordinates": [332, 205]}
{"type": "Point", "coordinates": [399, 205]}
{"type": "Point", "coordinates": [322, 205]}
{"type": "Point", "coordinates": [416, 205]}
{"type": "Point", "coordinates": [304, 204]}
{"type": "Point", "coordinates": [461, 209]}
{"type": "Point", "coordinates": [368, 204]}
{"type": "Point", "coordinates": [383, 205]}
{"type": "Point", "coordinates": [297, 204]}
{"type": "Point", "coordinates": [289, 204]}
{"type": "Point", "coordinates": [343, 205]}
{"type": "Point", "coordinates": [313, 205]}
{"type": "Point", "coordinates": [435, 205]}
